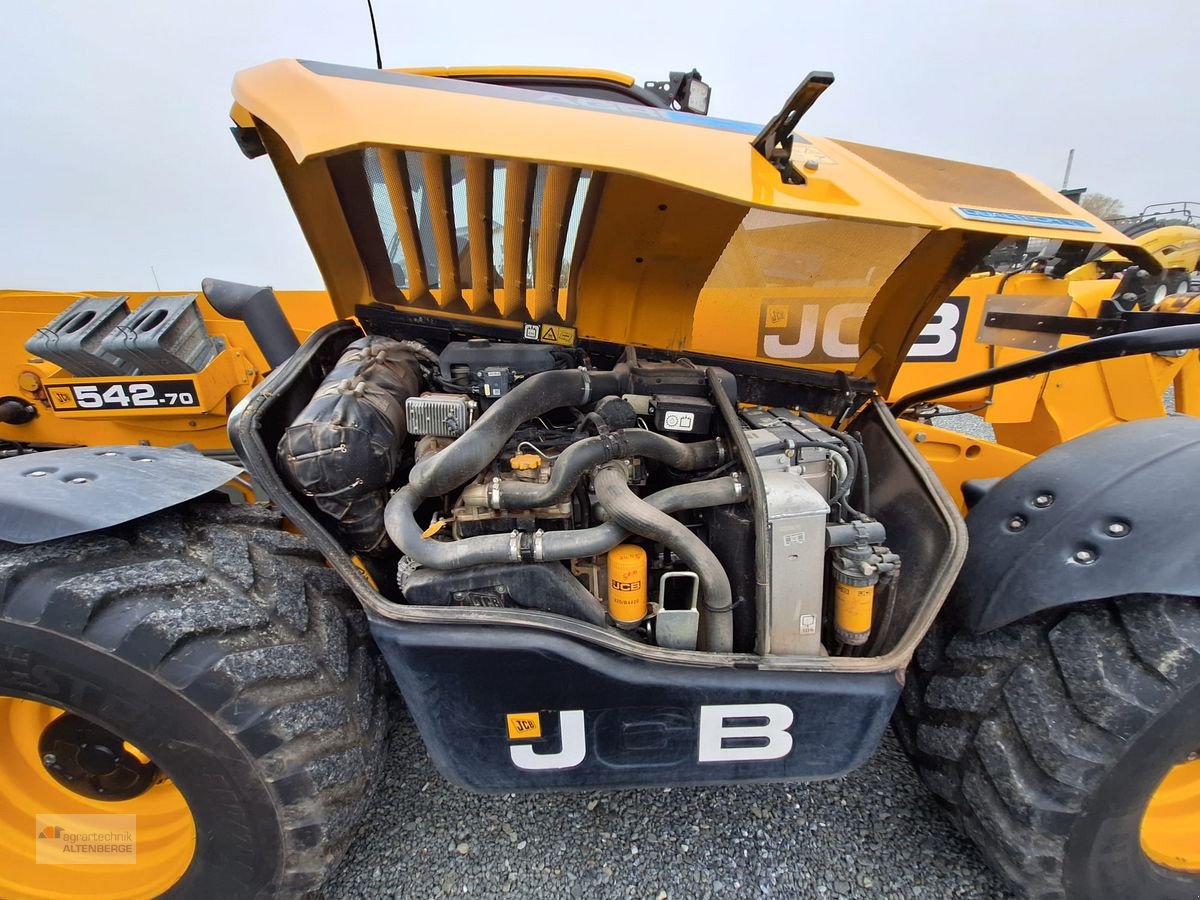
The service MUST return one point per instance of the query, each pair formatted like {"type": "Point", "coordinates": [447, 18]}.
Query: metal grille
{"type": "Point", "coordinates": [498, 236]}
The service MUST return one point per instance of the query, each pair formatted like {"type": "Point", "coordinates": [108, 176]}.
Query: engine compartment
{"type": "Point", "coordinates": [641, 497]}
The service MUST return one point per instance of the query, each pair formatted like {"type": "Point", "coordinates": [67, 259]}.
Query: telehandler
{"type": "Point", "coordinates": [592, 541]}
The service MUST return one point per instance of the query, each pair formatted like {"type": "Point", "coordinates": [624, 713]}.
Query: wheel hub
{"type": "Point", "coordinates": [1171, 823]}
{"type": "Point", "coordinates": [94, 762]}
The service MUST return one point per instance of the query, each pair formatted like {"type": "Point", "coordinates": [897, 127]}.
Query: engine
{"type": "Point", "coordinates": [643, 499]}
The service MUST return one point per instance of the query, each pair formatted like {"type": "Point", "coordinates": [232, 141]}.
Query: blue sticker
{"type": "Point", "coordinates": [1014, 218]}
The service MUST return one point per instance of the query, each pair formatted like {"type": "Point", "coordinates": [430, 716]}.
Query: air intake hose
{"type": "Point", "coordinates": [539, 394]}
{"type": "Point", "coordinates": [259, 308]}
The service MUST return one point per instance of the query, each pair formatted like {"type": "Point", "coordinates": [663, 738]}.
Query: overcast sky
{"type": "Point", "coordinates": [115, 154]}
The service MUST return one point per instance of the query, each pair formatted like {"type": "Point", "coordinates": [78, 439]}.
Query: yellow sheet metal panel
{"type": "Point", "coordinates": [319, 109]}
{"type": "Point", "coordinates": [558, 191]}
{"type": "Point", "coordinates": [957, 457]}
{"type": "Point", "coordinates": [315, 202]}
{"type": "Point", "coordinates": [479, 179]}
{"type": "Point", "coordinates": [317, 114]}
{"type": "Point", "coordinates": [677, 188]}
{"type": "Point", "coordinates": [436, 170]}
{"type": "Point", "coordinates": [518, 213]}
{"type": "Point", "coordinates": [650, 252]}
{"type": "Point", "coordinates": [394, 170]}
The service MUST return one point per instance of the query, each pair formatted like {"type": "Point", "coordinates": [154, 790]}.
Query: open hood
{"type": "Point", "coordinates": [615, 222]}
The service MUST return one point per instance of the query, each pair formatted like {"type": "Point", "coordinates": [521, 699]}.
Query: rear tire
{"type": "Point", "coordinates": [223, 649]}
{"type": "Point", "coordinates": [1045, 740]}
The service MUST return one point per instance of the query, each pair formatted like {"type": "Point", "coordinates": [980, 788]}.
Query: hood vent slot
{"type": "Point", "coordinates": [477, 235]}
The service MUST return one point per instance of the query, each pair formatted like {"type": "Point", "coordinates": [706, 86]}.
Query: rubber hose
{"type": "Point", "coordinates": [259, 308]}
{"type": "Point", "coordinates": [627, 509]}
{"type": "Point", "coordinates": [588, 453]}
{"type": "Point", "coordinates": [405, 532]}
{"type": "Point", "coordinates": [602, 538]}
{"type": "Point", "coordinates": [539, 394]}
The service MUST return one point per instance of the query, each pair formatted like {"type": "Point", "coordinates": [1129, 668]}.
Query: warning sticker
{"type": "Point", "coordinates": [563, 335]}
{"type": "Point", "coordinates": [524, 725]}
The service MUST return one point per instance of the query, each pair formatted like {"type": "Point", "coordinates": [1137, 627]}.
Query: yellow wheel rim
{"type": "Point", "coordinates": [1171, 824]}
{"type": "Point", "coordinates": [165, 835]}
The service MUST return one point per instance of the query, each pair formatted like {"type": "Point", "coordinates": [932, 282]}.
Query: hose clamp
{"type": "Point", "coordinates": [720, 450]}
{"type": "Point", "coordinates": [587, 386]}
{"type": "Point", "coordinates": [525, 547]}
{"type": "Point", "coordinates": [493, 494]}
{"type": "Point", "coordinates": [739, 489]}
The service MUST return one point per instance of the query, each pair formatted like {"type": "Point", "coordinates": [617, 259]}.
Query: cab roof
{"type": "Point", "coordinates": [617, 213]}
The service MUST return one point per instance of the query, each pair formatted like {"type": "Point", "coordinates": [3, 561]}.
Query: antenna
{"type": "Point", "coordinates": [375, 35]}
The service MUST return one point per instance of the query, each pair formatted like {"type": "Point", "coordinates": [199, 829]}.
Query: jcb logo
{"type": "Point", "coordinates": [816, 332]}
{"type": "Point", "coordinates": [734, 732]}
{"type": "Point", "coordinates": [626, 585]}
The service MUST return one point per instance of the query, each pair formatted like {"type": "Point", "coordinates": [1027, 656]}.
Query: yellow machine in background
{"type": "Point", "coordinates": [1169, 231]}
{"type": "Point", "coordinates": [41, 404]}
{"type": "Point", "coordinates": [1036, 313]}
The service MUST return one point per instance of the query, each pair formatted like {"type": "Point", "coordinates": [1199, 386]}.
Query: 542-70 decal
{"type": "Point", "coordinates": [827, 332]}
{"type": "Point", "coordinates": [155, 393]}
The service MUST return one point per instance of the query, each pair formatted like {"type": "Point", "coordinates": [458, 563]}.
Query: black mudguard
{"type": "Point", "coordinates": [479, 693]}
{"type": "Point", "coordinates": [58, 493]}
{"type": "Point", "coordinates": [1104, 515]}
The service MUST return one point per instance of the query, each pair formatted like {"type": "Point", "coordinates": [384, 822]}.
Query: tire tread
{"type": "Point", "coordinates": [1013, 729]}
{"type": "Point", "coordinates": [247, 623]}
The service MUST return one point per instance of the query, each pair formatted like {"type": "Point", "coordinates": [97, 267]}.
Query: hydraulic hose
{"type": "Point", "coordinates": [539, 394]}
{"type": "Point", "coordinates": [585, 455]}
{"type": "Point", "coordinates": [627, 509]}
{"type": "Point", "coordinates": [404, 530]}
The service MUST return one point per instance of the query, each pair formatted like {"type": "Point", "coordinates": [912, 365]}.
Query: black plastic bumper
{"type": "Point", "coordinates": [609, 720]}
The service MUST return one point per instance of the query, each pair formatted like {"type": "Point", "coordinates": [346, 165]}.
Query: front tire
{"type": "Point", "coordinates": [220, 649]}
{"type": "Point", "coordinates": [1048, 740]}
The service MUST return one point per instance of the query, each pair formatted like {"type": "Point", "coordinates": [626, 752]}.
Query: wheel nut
{"type": "Point", "coordinates": [1117, 529]}
{"type": "Point", "coordinates": [1041, 501]}
{"type": "Point", "coordinates": [1016, 523]}
{"type": "Point", "coordinates": [1085, 556]}
{"type": "Point", "coordinates": [49, 759]}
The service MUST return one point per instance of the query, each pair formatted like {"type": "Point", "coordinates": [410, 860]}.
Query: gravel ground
{"type": "Point", "coordinates": [966, 423]}
{"type": "Point", "coordinates": [874, 833]}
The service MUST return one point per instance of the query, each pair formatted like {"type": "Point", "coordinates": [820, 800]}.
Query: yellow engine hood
{"type": "Point", "coordinates": [525, 208]}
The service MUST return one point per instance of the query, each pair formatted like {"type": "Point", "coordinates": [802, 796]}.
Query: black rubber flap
{"type": "Point", "coordinates": [58, 493]}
